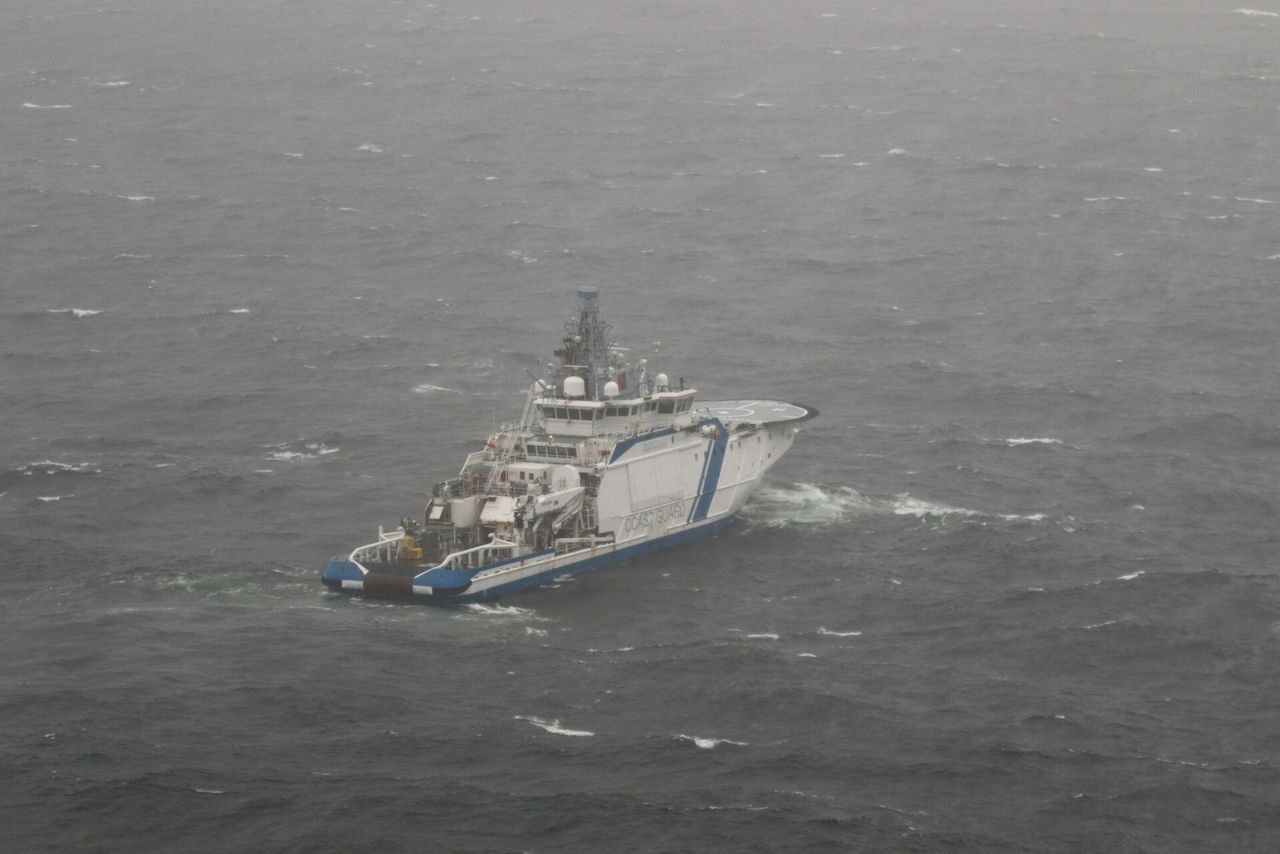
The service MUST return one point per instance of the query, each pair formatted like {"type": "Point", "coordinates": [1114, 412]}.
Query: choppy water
{"type": "Point", "coordinates": [270, 271]}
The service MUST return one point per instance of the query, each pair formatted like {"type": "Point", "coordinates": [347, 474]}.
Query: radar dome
{"type": "Point", "coordinates": [575, 387]}
{"type": "Point", "coordinates": [610, 389]}
{"type": "Point", "coordinates": [663, 381]}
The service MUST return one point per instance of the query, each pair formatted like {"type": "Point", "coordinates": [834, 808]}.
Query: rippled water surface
{"type": "Point", "coordinates": [271, 269]}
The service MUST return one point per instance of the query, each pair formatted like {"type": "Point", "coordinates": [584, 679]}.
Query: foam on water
{"type": "Point", "coordinates": [300, 452]}
{"type": "Point", "coordinates": [75, 312]}
{"type": "Point", "coordinates": [428, 388]}
{"type": "Point", "coordinates": [709, 743]}
{"type": "Point", "coordinates": [1257, 13]}
{"type": "Point", "coordinates": [31, 106]}
{"type": "Point", "coordinates": [804, 504]}
{"type": "Point", "coordinates": [1016, 441]}
{"type": "Point", "coordinates": [507, 611]}
{"type": "Point", "coordinates": [906, 505]}
{"type": "Point", "coordinates": [49, 467]}
{"type": "Point", "coordinates": [810, 504]}
{"type": "Point", "coordinates": [835, 634]}
{"type": "Point", "coordinates": [553, 726]}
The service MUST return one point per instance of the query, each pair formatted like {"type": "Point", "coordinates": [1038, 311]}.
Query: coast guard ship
{"type": "Point", "coordinates": [607, 462]}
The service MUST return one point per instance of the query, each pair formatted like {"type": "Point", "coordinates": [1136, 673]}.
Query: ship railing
{"type": "Point", "coordinates": [566, 545]}
{"type": "Point", "coordinates": [385, 550]}
{"type": "Point", "coordinates": [478, 556]}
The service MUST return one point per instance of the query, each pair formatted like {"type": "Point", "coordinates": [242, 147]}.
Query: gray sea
{"type": "Point", "coordinates": [271, 268]}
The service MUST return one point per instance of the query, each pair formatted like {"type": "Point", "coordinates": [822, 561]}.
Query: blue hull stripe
{"type": "Point", "coordinates": [627, 444]}
{"type": "Point", "coordinates": [702, 480]}
{"type": "Point", "coordinates": [711, 476]}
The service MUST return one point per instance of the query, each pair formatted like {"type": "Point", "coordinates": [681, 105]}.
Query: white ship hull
{"type": "Point", "coordinates": [589, 476]}
{"type": "Point", "coordinates": [639, 528]}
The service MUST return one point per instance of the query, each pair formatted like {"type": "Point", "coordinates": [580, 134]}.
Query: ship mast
{"type": "Point", "coordinates": [586, 345]}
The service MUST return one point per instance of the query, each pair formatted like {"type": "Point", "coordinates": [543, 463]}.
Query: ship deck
{"type": "Point", "coordinates": [764, 412]}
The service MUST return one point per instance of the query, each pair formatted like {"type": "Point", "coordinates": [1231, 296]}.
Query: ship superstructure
{"type": "Point", "coordinates": [606, 462]}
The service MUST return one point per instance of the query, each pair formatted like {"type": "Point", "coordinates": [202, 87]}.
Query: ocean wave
{"type": "Point", "coordinates": [810, 504]}
{"type": "Point", "coordinates": [1016, 441]}
{"type": "Point", "coordinates": [906, 505]}
{"type": "Point", "coordinates": [508, 611]}
{"type": "Point", "coordinates": [825, 631]}
{"type": "Point", "coordinates": [1257, 13]}
{"type": "Point", "coordinates": [49, 467]}
{"type": "Point", "coordinates": [428, 388]}
{"type": "Point", "coordinates": [709, 743]}
{"type": "Point", "coordinates": [804, 504]}
{"type": "Point", "coordinates": [553, 726]}
{"type": "Point", "coordinates": [75, 312]}
{"type": "Point", "coordinates": [300, 452]}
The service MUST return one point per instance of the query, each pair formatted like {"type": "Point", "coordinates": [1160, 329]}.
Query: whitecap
{"type": "Point", "coordinates": [501, 610]}
{"type": "Point", "coordinates": [553, 726]}
{"type": "Point", "coordinates": [428, 388]}
{"type": "Point", "coordinates": [370, 147]}
{"type": "Point", "coordinates": [805, 655]}
{"type": "Point", "coordinates": [137, 198]}
{"type": "Point", "coordinates": [763, 636]}
{"type": "Point", "coordinates": [1018, 440]}
{"type": "Point", "coordinates": [905, 505]}
{"type": "Point", "coordinates": [897, 152]}
{"type": "Point", "coordinates": [1100, 625]}
{"type": "Point", "coordinates": [113, 84]}
{"type": "Point", "coordinates": [1030, 517]}
{"type": "Point", "coordinates": [1257, 13]}
{"type": "Point", "coordinates": [804, 504]}
{"type": "Point", "coordinates": [50, 467]}
{"type": "Point", "coordinates": [47, 498]}
{"type": "Point", "coordinates": [1255, 201]}
{"type": "Point", "coordinates": [1152, 169]}
{"type": "Point", "coordinates": [75, 312]}
{"type": "Point", "coordinates": [238, 311]}
{"type": "Point", "coordinates": [1131, 576]}
{"type": "Point", "coordinates": [31, 106]}
{"type": "Point", "coordinates": [709, 743]}
{"type": "Point", "coordinates": [310, 451]}
{"type": "Point", "coordinates": [831, 156]}
{"type": "Point", "coordinates": [834, 634]}
{"type": "Point", "coordinates": [539, 633]}
{"type": "Point", "coordinates": [210, 791]}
